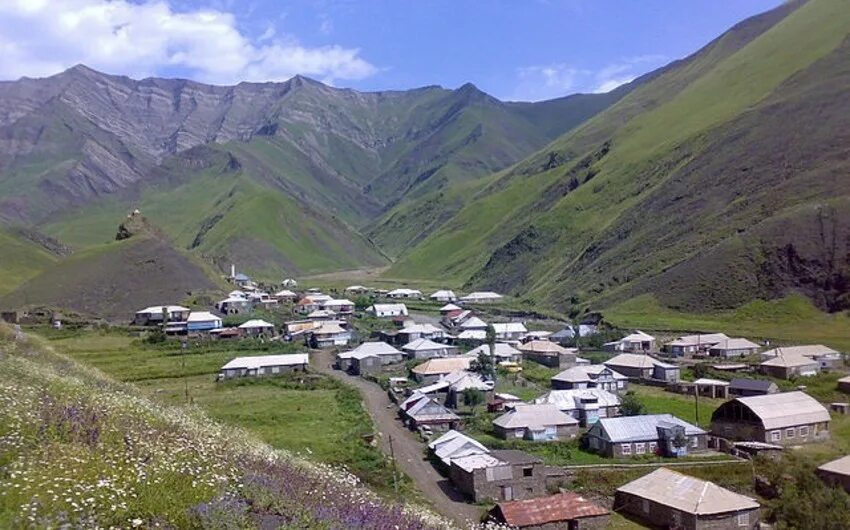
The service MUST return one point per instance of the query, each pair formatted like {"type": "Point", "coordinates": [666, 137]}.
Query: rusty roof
{"type": "Point", "coordinates": [555, 508]}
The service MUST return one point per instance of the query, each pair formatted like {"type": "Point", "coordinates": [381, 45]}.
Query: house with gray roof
{"type": "Point", "coordinates": [737, 347]}
{"type": "Point", "coordinates": [368, 357]}
{"type": "Point", "coordinates": [786, 418]}
{"type": "Point", "coordinates": [648, 434]}
{"type": "Point", "coordinates": [542, 422]}
{"type": "Point", "coordinates": [743, 387]}
{"type": "Point", "coordinates": [643, 366]}
{"type": "Point", "coordinates": [454, 444]}
{"type": "Point", "coordinates": [423, 411]}
{"type": "Point", "coordinates": [500, 475]}
{"type": "Point", "coordinates": [668, 499]}
{"type": "Point", "coordinates": [590, 376]}
{"type": "Point", "coordinates": [427, 349]}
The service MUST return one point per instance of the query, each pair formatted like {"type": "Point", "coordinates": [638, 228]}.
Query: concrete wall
{"type": "Point", "coordinates": [476, 486]}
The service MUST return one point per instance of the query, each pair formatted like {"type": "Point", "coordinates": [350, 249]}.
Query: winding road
{"type": "Point", "coordinates": [409, 451]}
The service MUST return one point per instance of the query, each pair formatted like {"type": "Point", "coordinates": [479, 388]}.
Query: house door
{"type": "Point", "coordinates": [507, 493]}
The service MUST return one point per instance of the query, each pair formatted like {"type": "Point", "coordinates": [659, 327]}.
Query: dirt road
{"type": "Point", "coordinates": [409, 451]}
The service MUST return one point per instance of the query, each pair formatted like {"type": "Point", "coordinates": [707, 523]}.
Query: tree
{"type": "Point", "coordinates": [700, 370]}
{"type": "Point", "coordinates": [491, 337]}
{"type": "Point", "coordinates": [484, 365]}
{"type": "Point", "coordinates": [630, 405]}
{"type": "Point", "coordinates": [472, 397]}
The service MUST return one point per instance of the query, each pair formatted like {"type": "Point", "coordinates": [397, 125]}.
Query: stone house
{"type": "Point", "coordinates": [549, 354]}
{"type": "Point", "coordinates": [501, 475]}
{"type": "Point", "coordinates": [643, 366]}
{"type": "Point", "coordinates": [787, 418]}
{"type": "Point", "coordinates": [662, 434]}
{"type": "Point", "coordinates": [535, 422]}
{"type": "Point", "coordinates": [668, 499]}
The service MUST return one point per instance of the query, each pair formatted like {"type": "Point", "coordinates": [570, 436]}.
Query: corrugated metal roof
{"type": "Point", "coordinates": [473, 323]}
{"type": "Point", "coordinates": [585, 373]}
{"type": "Point", "coordinates": [687, 494]}
{"type": "Point", "coordinates": [500, 349]}
{"type": "Point", "coordinates": [712, 382]}
{"type": "Point", "coordinates": [735, 344]}
{"type": "Point", "coordinates": [473, 334]}
{"type": "Point", "coordinates": [633, 360]}
{"type": "Point", "coordinates": [423, 345]}
{"type": "Point", "coordinates": [812, 350]}
{"type": "Point", "coordinates": [786, 409]}
{"type": "Point", "coordinates": [370, 348]}
{"type": "Point", "coordinates": [760, 385]}
{"type": "Point", "coordinates": [545, 346]}
{"type": "Point", "coordinates": [472, 462]}
{"type": "Point", "coordinates": [445, 365]}
{"type": "Point", "coordinates": [638, 428]}
{"type": "Point", "coordinates": [158, 309]}
{"type": "Point", "coordinates": [789, 360]}
{"type": "Point", "coordinates": [202, 316]}
{"type": "Point", "coordinates": [553, 509]}
{"type": "Point", "coordinates": [259, 361]}
{"type": "Point", "coordinates": [256, 323]}
{"type": "Point", "coordinates": [840, 466]}
{"type": "Point", "coordinates": [571, 399]}
{"type": "Point", "coordinates": [525, 415]}
{"type": "Point", "coordinates": [509, 327]}
{"type": "Point", "coordinates": [698, 340]}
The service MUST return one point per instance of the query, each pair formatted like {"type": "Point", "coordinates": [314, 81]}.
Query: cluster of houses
{"type": "Point", "coordinates": [584, 402]}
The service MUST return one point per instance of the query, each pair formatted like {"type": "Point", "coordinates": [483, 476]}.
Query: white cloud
{"type": "Point", "coordinates": [42, 37]}
{"type": "Point", "coordinates": [535, 83]}
{"type": "Point", "coordinates": [626, 71]}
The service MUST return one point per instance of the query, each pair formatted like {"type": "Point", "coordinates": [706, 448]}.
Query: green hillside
{"type": "Point", "coordinates": [20, 260]}
{"type": "Point", "coordinates": [672, 175]}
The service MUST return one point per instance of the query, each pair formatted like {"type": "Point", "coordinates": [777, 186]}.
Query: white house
{"type": "Point", "coordinates": [443, 295]}
{"type": "Point", "coordinates": [257, 327]}
{"type": "Point", "coordinates": [481, 297]}
{"type": "Point", "coordinates": [404, 293]}
{"type": "Point", "coordinates": [509, 330]}
{"type": "Point", "coordinates": [201, 321]}
{"type": "Point", "coordinates": [388, 310]}
{"type": "Point", "coordinates": [154, 315]}
{"type": "Point", "coordinates": [264, 365]}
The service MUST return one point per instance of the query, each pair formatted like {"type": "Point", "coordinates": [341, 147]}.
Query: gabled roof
{"type": "Point", "coordinates": [637, 336]}
{"type": "Point", "coordinates": [640, 428]}
{"type": "Point", "coordinates": [256, 323]}
{"type": "Point", "coordinates": [321, 313]}
{"type": "Point", "coordinates": [473, 323]}
{"type": "Point", "coordinates": [328, 328]}
{"type": "Point", "coordinates": [202, 316]}
{"type": "Point", "coordinates": [368, 349]}
{"type": "Point", "coordinates": [420, 329]}
{"type": "Point", "coordinates": [840, 466]}
{"type": "Point", "coordinates": [571, 399]}
{"type": "Point", "coordinates": [635, 360]}
{"type": "Point", "coordinates": [286, 293]}
{"type": "Point", "coordinates": [443, 365]}
{"type": "Point", "coordinates": [786, 409]}
{"type": "Point", "coordinates": [470, 463]}
{"type": "Point", "coordinates": [444, 293]}
{"type": "Point", "coordinates": [712, 382]}
{"type": "Point", "coordinates": [454, 444]}
{"type": "Point", "coordinates": [546, 347]}
{"type": "Point", "coordinates": [428, 409]}
{"type": "Point", "coordinates": [481, 295]}
{"type": "Point", "coordinates": [735, 344]}
{"type": "Point", "coordinates": [450, 307]}
{"type": "Point", "coordinates": [500, 349]}
{"type": "Point", "coordinates": [405, 292]}
{"type": "Point", "coordinates": [423, 345]}
{"type": "Point", "coordinates": [472, 334]}
{"type": "Point", "coordinates": [815, 350]}
{"type": "Point", "coordinates": [463, 380]}
{"type": "Point", "coordinates": [557, 508]}
{"type": "Point", "coordinates": [687, 494]}
{"type": "Point", "coordinates": [338, 303]}
{"type": "Point", "coordinates": [698, 340]}
{"type": "Point", "coordinates": [388, 308]}
{"type": "Point", "coordinates": [789, 360]}
{"type": "Point", "coordinates": [585, 373]}
{"type": "Point", "coordinates": [260, 361]}
{"type": "Point", "coordinates": [510, 327]}
{"type": "Point", "coordinates": [533, 416]}
{"type": "Point", "coordinates": [158, 309]}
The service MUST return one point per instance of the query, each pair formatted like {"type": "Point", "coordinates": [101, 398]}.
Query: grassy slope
{"type": "Point", "coordinates": [792, 320]}
{"type": "Point", "coordinates": [712, 88]}
{"type": "Point", "coordinates": [83, 450]}
{"type": "Point", "coordinates": [20, 260]}
{"type": "Point", "coordinates": [115, 279]}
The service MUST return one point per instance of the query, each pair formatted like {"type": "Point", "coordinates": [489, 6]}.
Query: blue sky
{"type": "Point", "coordinates": [519, 50]}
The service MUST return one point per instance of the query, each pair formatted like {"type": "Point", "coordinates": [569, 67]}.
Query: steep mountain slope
{"type": "Point", "coordinates": [299, 166]}
{"type": "Point", "coordinates": [658, 193]}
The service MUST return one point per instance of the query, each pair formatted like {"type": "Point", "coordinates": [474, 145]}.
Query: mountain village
{"type": "Point", "coordinates": [486, 393]}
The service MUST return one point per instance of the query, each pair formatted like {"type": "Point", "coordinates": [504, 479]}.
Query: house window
{"type": "Point", "coordinates": [675, 519]}
{"type": "Point", "coordinates": [789, 433]}
{"type": "Point", "coordinates": [743, 519]}
{"type": "Point", "coordinates": [640, 449]}
{"type": "Point", "coordinates": [528, 472]}
{"type": "Point", "coordinates": [804, 431]}
{"type": "Point", "coordinates": [626, 449]}
{"type": "Point", "coordinates": [653, 447]}
{"type": "Point", "coordinates": [645, 506]}
{"type": "Point", "coordinates": [518, 433]}
{"type": "Point", "coordinates": [695, 442]}
{"type": "Point", "coordinates": [775, 436]}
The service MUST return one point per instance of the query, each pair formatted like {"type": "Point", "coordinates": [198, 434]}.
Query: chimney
{"type": "Point", "coordinates": [232, 271]}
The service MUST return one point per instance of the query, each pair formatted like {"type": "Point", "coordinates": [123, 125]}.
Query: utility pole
{"type": "Point", "coordinates": [392, 457]}
{"type": "Point", "coordinates": [183, 346]}
{"type": "Point", "coordinates": [696, 402]}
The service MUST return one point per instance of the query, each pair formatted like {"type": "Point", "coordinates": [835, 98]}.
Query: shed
{"type": "Point", "coordinates": [264, 365]}
{"type": "Point", "coordinates": [562, 510]}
